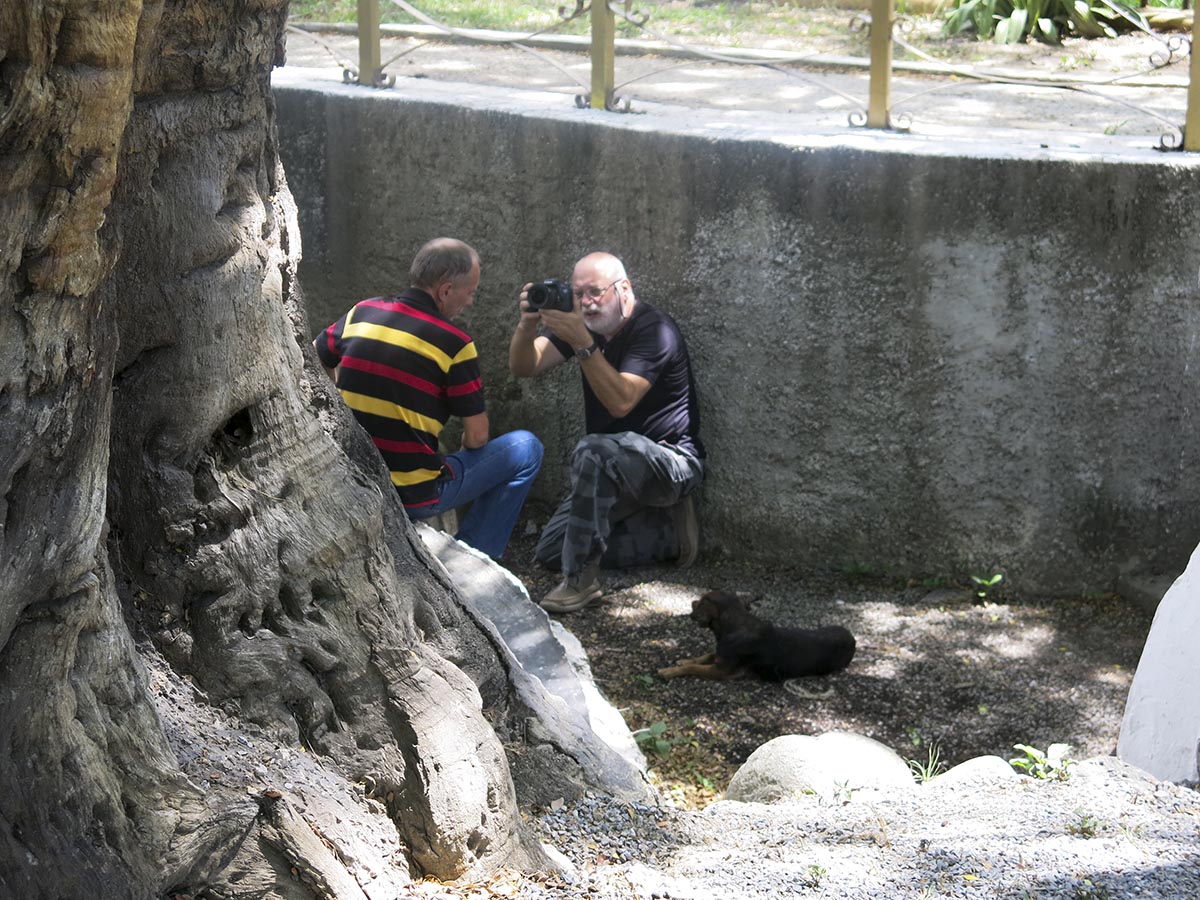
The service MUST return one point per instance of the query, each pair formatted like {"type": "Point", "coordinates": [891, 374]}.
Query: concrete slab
{"type": "Point", "coordinates": [1120, 102]}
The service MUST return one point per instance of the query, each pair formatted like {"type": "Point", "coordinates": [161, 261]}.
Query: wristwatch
{"type": "Point", "coordinates": [584, 352]}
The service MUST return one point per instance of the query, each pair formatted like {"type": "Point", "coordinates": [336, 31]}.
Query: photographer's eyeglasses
{"type": "Point", "coordinates": [593, 293]}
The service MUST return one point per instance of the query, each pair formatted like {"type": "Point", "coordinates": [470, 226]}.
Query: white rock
{"type": "Point", "coordinates": [1161, 729]}
{"type": "Point", "coordinates": [830, 766]}
{"type": "Point", "coordinates": [980, 771]}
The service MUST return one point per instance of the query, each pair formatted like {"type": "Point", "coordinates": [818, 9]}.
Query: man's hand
{"type": "Point", "coordinates": [530, 353]}
{"type": "Point", "coordinates": [529, 317]}
{"type": "Point", "coordinates": [475, 431]}
{"type": "Point", "coordinates": [568, 326]}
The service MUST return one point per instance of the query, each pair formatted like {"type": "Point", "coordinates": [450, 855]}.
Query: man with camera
{"type": "Point", "coordinates": [403, 369]}
{"type": "Point", "coordinates": [633, 473]}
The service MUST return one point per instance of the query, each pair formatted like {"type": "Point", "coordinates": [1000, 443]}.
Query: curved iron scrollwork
{"type": "Point", "coordinates": [617, 104]}
{"type": "Point", "coordinates": [1173, 49]}
{"type": "Point", "coordinates": [901, 122]}
{"type": "Point", "coordinates": [383, 79]}
{"type": "Point", "coordinates": [638, 18]}
{"type": "Point", "coordinates": [350, 75]}
{"type": "Point", "coordinates": [1171, 141]}
{"type": "Point", "coordinates": [580, 9]}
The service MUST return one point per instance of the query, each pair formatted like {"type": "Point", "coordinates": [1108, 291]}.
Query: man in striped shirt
{"type": "Point", "coordinates": [404, 369]}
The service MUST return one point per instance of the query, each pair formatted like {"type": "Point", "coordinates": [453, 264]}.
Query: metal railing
{"type": "Point", "coordinates": [601, 92]}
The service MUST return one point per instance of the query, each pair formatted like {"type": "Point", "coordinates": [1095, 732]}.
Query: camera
{"type": "Point", "coordinates": [550, 294]}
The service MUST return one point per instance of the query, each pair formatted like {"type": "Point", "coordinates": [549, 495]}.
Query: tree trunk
{"type": "Point", "coordinates": [217, 629]}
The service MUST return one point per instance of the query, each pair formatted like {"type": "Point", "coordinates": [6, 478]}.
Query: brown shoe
{"type": "Point", "coordinates": [573, 594]}
{"type": "Point", "coordinates": [687, 527]}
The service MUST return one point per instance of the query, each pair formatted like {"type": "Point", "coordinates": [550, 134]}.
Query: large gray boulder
{"type": "Point", "coordinates": [567, 716]}
{"type": "Point", "coordinates": [833, 767]}
{"type": "Point", "coordinates": [1161, 729]}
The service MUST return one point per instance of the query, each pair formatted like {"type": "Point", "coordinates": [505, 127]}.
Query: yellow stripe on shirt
{"type": "Point", "coordinates": [417, 476]}
{"type": "Point", "coordinates": [388, 410]}
{"type": "Point", "coordinates": [467, 352]}
{"type": "Point", "coordinates": [398, 338]}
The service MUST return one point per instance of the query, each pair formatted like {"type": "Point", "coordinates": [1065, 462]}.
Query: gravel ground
{"type": "Point", "coordinates": [1107, 832]}
{"type": "Point", "coordinates": [937, 666]}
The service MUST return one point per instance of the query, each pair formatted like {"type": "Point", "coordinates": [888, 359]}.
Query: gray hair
{"type": "Point", "coordinates": [440, 260]}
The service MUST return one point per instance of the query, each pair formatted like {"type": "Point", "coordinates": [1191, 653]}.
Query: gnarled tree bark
{"type": "Point", "coordinates": [223, 652]}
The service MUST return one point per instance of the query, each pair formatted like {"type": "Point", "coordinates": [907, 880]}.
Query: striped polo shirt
{"type": "Point", "coordinates": [404, 370]}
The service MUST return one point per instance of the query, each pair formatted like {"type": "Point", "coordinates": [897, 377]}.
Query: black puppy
{"type": "Point", "coordinates": [745, 641]}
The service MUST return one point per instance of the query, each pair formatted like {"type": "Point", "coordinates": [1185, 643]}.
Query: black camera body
{"type": "Point", "coordinates": [550, 294]}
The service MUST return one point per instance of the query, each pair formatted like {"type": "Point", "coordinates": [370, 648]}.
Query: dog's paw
{"type": "Point", "coordinates": [669, 672]}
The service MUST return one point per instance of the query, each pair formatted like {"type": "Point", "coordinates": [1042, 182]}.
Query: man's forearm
{"type": "Point", "coordinates": [522, 354]}
{"type": "Point", "coordinates": [617, 393]}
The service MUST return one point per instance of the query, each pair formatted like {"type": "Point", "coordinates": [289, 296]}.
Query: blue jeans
{"type": "Point", "coordinates": [495, 479]}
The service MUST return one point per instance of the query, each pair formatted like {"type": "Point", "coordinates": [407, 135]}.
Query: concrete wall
{"type": "Point", "coordinates": [919, 357]}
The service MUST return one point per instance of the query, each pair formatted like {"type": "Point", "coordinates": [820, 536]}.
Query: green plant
{"type": "Point", "coordinates": [931, 767]}
{"type": "Point", "coordinates": [858, 571]}
{"type": "Point", "coordinates": [645, 682]}
{"type": "Point", "coordinates": [983, 585]}
{"type": "Point", "coordinates": [1054, 764]}
{"type": "Point", "coordinates": [1087, 889]}
{"type": "Point", "coordinates": [842, 792]}
{"type": "Point", "coordinates": [1085, 826]}
{"type": "Point", "coordinates": [1009, 21]}
{"type": "Point", "coordinates": [814, 875]}
{"type": "Point", "coordinates": [653, 739]}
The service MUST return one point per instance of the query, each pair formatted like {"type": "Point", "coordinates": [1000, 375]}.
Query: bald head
{"type": "Point", "coordinates": [599, 267]}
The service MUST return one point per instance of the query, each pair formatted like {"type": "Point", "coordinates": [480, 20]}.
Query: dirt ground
{"type": "Point", "coordinates": [938, 668]}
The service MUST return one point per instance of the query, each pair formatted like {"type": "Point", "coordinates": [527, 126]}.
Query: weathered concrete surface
{"type": "Point", "coordinates": [921, 356]}
{"type": "Point", "coordinates": [1161, 729]}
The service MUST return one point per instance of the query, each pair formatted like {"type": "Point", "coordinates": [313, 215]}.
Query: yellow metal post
{"type": "Point", "coordinates": [370, 60]}
{"type": "Point", "coordinates": [604, 35]}
{"type": "Point", "coordinates": [1191, 128]}
{"type": "Point", "coordinates": [879, 104]}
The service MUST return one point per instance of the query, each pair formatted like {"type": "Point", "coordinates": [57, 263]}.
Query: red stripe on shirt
{"type": "Point", "coordinates": [392, 374]}
{"type": "Point", "coordinates": [462, 390]}
{"type": "Point", "coordinates": [408, 310]}
{"type": "Point", "coordinates": [403, 446]}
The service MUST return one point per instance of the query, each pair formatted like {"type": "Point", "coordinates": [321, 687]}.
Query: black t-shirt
{"type": "Point", "coordinates": [652, 347]}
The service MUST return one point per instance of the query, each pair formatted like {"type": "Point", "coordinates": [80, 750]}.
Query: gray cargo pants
{"type": "Point", "coordinates": [622, 489]}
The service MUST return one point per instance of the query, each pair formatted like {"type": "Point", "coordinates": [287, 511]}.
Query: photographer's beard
{"type": "Point", "coordinates": [607, 319]}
